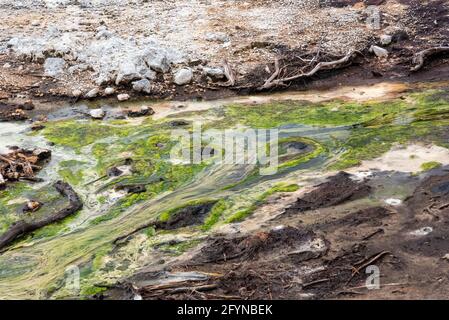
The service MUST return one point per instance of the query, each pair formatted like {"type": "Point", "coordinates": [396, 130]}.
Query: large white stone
{"type": "Point", "coordinates": [217, 36]}
{"type": "Point", "coordinates": [156, 59]}
{"type": "Point", "coordinates": [143, 85]}
{"type": "Point", "coordinates": [127, 73]}
{"type": "Point", "coordinates": [97, 113]}
{"type": "Point", "coordinates": [378, 51]}
{"type": "Point", "coordinates": [109, 90]}
{"type": "Point", "coordinates": [183, 76]}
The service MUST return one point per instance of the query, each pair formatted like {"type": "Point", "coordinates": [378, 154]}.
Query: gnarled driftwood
{"type": "Point", "coordinates": [21, 228]}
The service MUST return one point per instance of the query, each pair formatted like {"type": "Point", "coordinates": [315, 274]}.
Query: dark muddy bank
{"type": "Point", "coordinates": [323, 253]}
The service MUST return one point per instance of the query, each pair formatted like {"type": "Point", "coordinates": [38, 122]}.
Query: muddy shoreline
{"type": "Point", "coordinates": [352, 77]}
{"type": "Point", "coordinates": [24, 75]}
{"type": "Point", "coordinates": [310, 255]}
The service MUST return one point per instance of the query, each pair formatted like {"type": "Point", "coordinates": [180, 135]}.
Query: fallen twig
{"type": "Point", "coordinates": [275, 74]}
{"type": "Point", "coordinates": [315, 282]}
{"type": "Point", "coordinates": [96, 180]}
{"type": "Point", "coordinates": [383, 285]}
{"type": "Point", "coordinates": [364, 264]}
{"type": "Point", "coordinates": [372, 234]}
{"type": "Point", "coordinates": [348, 292]}
{"type": "Point", "coordinates": [223, 297]}
{"type": "Point", "coordinates": [174, 288]}
{"type": "Point", "coordinates": [444, 206]}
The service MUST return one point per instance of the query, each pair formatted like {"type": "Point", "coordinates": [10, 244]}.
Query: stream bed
{"type": "Point", "coordinates": [393, 128]}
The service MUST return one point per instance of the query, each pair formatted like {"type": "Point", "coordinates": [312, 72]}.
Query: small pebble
{"type": "Point", "coordinates": [422, 232]}
{"type": "Point", "coordinates": [123, 97]}
{"type": "Point", "coordinates": [393, 202]}
{"type": "Point", "coordinates": [109, 91]}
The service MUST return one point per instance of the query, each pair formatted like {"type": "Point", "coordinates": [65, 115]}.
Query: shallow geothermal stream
{"type": "Point", "coordinates": [359, 130]}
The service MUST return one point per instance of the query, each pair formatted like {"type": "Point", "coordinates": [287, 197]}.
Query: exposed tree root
{"type": "Point", "coordinates": [229, 73]}
{"type": "Point", "coordinates": [21, 228]}
{"type": "Point", "coordinates": [279, 77]}
{"type": "Point", "coordinates": [420, 58]}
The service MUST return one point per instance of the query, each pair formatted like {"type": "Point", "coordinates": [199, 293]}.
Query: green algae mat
{"type": "Point", "coordinates": [117, 233]}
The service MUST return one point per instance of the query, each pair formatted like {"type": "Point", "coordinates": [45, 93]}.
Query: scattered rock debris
{"type": "Point", "coordinates": [22, 164]}
{"type": "Point", "coordinates": [97, 114]}
{"type": "Point", "coordinates": [123, 97]}
{"type": "Point", "coordinates": [322, 252]}
{"type": "Point", "coordinates": [48, 58]}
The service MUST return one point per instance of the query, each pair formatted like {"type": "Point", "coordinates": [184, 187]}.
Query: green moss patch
{"type": "Point", "coordinates": [430, 165]}
{"type": "Point", "coordinates": [242, 214]}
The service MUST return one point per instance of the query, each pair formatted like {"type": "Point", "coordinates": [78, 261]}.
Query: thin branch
{"type": "Point", "coordinates": [364, 264]}
{"type": "Point", "coordinates": [276, 72]}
